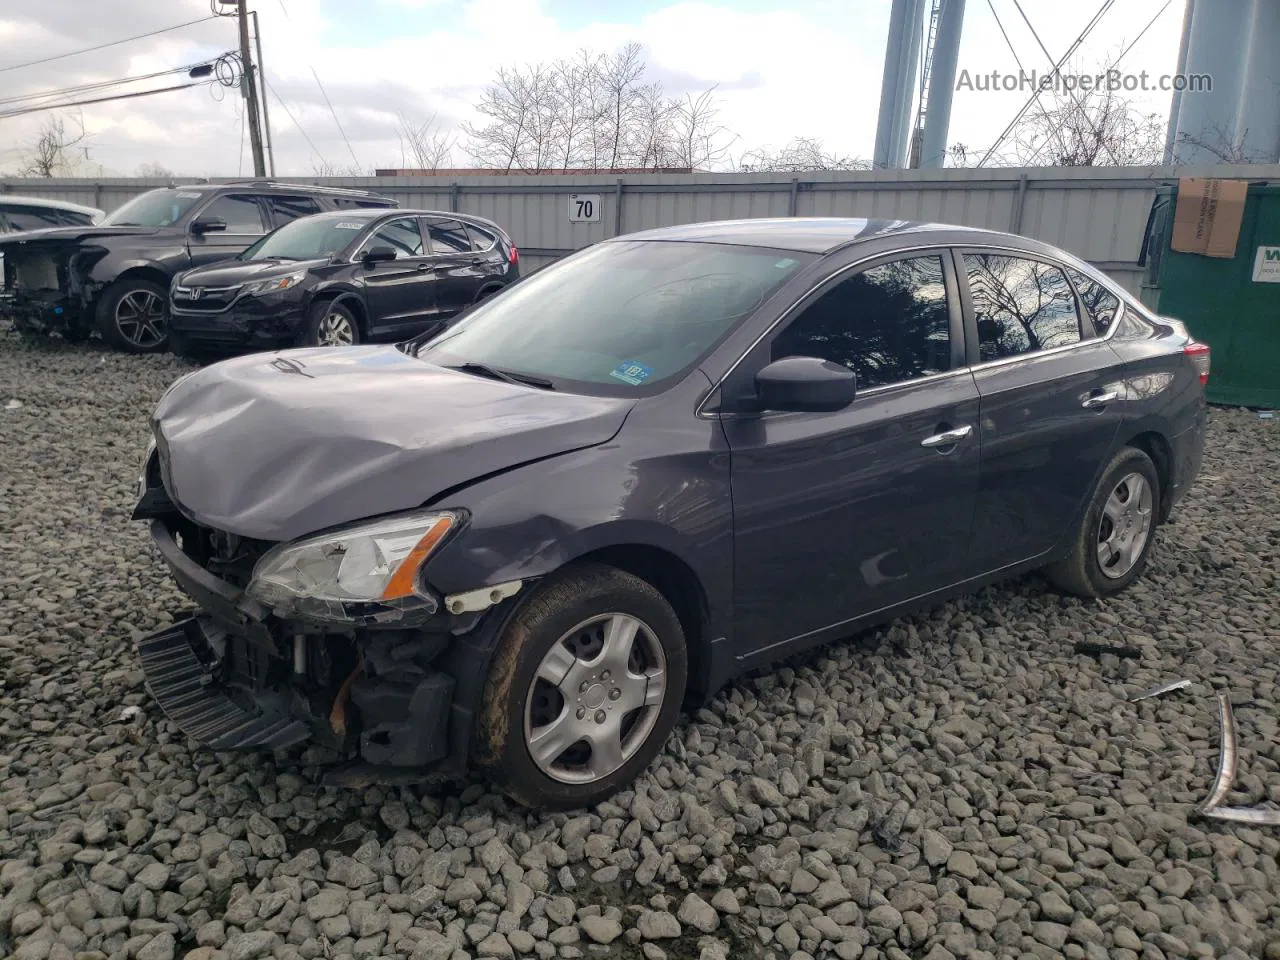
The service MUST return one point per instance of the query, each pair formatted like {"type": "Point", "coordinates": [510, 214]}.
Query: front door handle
{"type": "Point", "coordinates": [948, 437]}
{"type": "Point", "coordinates": [1099, 400]}
{"type": "Point", "coordinates": [424, 267]}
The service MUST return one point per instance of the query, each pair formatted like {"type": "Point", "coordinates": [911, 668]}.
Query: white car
{"type": "Point", "coordinates": [33, 213]}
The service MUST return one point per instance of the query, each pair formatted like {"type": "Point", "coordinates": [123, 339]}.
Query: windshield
{"type": "Point", "coordinates": [155, 208]}
{"type": "Point", "coordinates": [310, 238]}
{"type": "Point", "coordinates": [622, 315]}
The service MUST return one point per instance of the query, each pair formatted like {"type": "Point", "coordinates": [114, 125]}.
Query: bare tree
{"type": "Point", "coordinates": [594, 110]}
{"type": "Point", "coordinates": [154, 170]}
{"type": "Point", "coordinates": [53, 149]}
{"type": "Point", "coordinates": [327, 168]}
{"type": "Point", "coordinates": [801, 155]}
{"type": "Point", "coordinates": [1078, 125]}
{"type": "Point", "coordinates": [430, 147]}
{"type": "Point", "coordinates": [1221, 143]}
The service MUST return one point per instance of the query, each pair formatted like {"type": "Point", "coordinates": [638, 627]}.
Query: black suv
{"type": "Point", "coordinates": [114, 277]}
{"type": "Point", "coordinates": [341, 278]}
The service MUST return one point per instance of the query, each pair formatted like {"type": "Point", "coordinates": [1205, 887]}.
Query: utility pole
{"type": "Point", "coordinates": [249, 89]}
{"type": "Point", "coordinates": [262, 76]}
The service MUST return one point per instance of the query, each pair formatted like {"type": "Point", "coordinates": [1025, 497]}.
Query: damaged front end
{"type": "Point", "coordinates": [46, 286]}
{"type": "Point", "coordinates": [331, 640]}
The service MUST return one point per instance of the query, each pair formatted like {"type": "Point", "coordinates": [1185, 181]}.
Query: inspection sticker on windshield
{"type": "Point", "coordinates": [347, 225]}
{"type": "Point", "coordinates": [784, 263]}
{"type": "Point", "coordinates": [188, 196]}
{"type": "Point", "coordinates": [628, 371]}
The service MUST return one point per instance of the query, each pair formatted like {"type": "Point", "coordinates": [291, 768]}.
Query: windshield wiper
{"type": "Point", "coordinates": [493, 373]}
{"type": "Point", "coordinates": [278, 256]}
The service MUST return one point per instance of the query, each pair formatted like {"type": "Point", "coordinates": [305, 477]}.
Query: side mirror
{"type": "Point", "coordinates": [379, 254]}
{"type": "Point", "coordinates": [805, 384]}
{"type": "Point", "coordinates": [209, 225]}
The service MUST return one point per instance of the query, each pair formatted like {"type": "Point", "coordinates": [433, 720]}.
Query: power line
{"type": "Point", "coordinates": [324, 94]}
{"type": "Point", "coordinates": [100, 85]}
{"type": "Point", "coordinates": [1021, 69]}
{"type": "Point", "coordinates": [118, 96]}
{"type": "Point", "coordinates": [103, 46]}
{"type": "Point", "coordinates": [1150, 24]}
{"type": "Point", "coordinates": [1035, 97]}
{"type": "Point", "coordinates": [289, 113]}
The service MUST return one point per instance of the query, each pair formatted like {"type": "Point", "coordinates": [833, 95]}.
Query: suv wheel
{"type": "Point", "coordinates": [132, 315]}
{"type": "Point", "coordinates": [1109, 546]}
{"type": "Point", "coordinates": [585, 687]}
{"type": "Point", "coordinates": [330, 324]}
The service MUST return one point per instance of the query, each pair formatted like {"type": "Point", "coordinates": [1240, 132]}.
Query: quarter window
{"type": "Point", "coordinates": [480, 239]}
{"type": "Point", "coordinates": [1101, 306]}
{"type": "Point", "coordinates": [287, 209]}
{"type": "Point", "coordinates": [402, 236]}
{"type": "Point", "coordinates": [32, 218]}
{"type": "Point", "coordinates": [448, 236]}
{"type": "Point", "coordinates": [242, 214]}
{"type": "Point", "coordinates": [888, 324]}
{"type": "Point", "coordinates": [1021, 306]}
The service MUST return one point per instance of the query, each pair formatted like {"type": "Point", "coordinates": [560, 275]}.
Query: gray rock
{"type": "Point", "coordinates": [248, 946]}
{"type": "Point", "coordinates": [161, 947]}
{"type": "Point", "coordinates": [601, 929]}
{"type": "Point", "coordinates": [658, 925]}
{"type": "Point", "coordinates": [935, 847]}
{"type": "Point", "coordinates": [698, 914]}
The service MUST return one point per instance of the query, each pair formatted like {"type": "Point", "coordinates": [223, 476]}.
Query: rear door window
{"type": "Point", "coordinates": [242, 213]}
{"type": "Point", "coordinates": [1101, 306]}
{"type": "Point", "coordinates": [1021, 306]}
{"type": "Point", "coordinates": [287, 209]}
{"type": "Point", "coordinates": [448, 236]}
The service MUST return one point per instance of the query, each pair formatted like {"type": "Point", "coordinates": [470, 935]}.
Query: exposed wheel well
{"type": "Point", "coordinates": [678, 584]}
{"type": "Point", "coordinates": [487, 289]}
{"type": "Point", "coordinates": [1157, 448]}
{"type": "Point", "coordinates": [150, 274]}
{"type": "Point", "coordinates": [352, 303]}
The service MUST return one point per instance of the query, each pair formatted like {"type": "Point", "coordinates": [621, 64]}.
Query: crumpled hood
{"type": "Point", "coordinates": [274, 446]}
{"type": "Point", "coordinates": [75, 234]}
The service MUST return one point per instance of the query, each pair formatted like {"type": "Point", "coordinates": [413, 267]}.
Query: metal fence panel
{"type": "Point", "coordinates": [1098, 213]}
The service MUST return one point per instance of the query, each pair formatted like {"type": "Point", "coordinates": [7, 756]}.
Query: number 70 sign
{"type": "Point", "coordinates": [584, 207]}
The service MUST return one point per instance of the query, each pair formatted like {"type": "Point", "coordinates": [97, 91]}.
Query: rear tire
{"type": "Point", "coordinates": [133, 316]}
{"type": "Point", "coordinates": [330, 324]}
{"type": "Point", "coordinates": [585, 687]}
{"type": "Point", "coordinates": [1111, 543]}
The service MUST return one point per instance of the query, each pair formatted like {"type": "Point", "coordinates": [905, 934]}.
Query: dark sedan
{"type": "Point", "coordinates": [526, 541]}
{"type": "Point", "coordinates": [336, 279]}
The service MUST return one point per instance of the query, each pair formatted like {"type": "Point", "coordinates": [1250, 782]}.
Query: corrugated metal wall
{"type": "Point", "coordinates": [1098, 213]}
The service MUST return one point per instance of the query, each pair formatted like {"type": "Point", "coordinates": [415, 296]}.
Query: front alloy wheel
{"type": "Point", "coordinates": [132, 315]}
{"type": "Point", "coordinates": [335, 330]}
{"type": "Point", "coordinates": [585, 686]}
{"type": "Point", "coordinates": [330, 324]}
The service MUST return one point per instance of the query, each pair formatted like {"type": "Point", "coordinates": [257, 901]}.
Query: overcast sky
{"type": "Point", "coordinates": [785, 68]}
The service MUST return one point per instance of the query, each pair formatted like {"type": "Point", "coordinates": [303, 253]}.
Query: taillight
{"type": "Point", "coordinates": [514, 256]}
{"type": "Point", "coordinates": [1198, 353]}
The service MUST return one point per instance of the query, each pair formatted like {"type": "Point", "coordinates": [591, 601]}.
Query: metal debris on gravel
{"type": "Point", "coordinates": [958, 784]}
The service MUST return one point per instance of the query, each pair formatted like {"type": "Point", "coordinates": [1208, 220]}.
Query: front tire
{"type": "Point", "coordinates": [1110, 545]}
{"type": "Point", "coordinates": [585, 687]}
{"type": "Point", "coordinates": [330, 324]}
{"type": "Point", "coordinates": [133, 316]}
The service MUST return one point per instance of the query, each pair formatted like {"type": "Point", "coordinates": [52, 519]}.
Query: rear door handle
{"type": "Point", "coordinates": [1099, 400]}
{"type": "Point", "coordinates": [947, 437]}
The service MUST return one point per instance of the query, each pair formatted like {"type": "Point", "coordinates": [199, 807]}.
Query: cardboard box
{"type": "Point", "coordinates": [1207, 218]}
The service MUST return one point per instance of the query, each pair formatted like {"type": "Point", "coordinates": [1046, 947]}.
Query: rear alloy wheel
{"type": "Point", "coordinates": [1110, 544]}
{"type": "Point", "coordinates": [331, 325]}
{"type": "Point", "coordinates": [132, 316]}
{"type": "Point", "coordinates": [586, 686]}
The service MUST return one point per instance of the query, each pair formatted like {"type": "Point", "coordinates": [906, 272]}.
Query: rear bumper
{"type": "Point", "coordinates": [234, 677]}
{"type": "Point", "coordinates": [1188, 453]}
{"type": "Point", "coordinates": [247, 324]}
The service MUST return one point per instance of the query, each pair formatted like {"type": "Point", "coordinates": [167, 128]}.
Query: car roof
{"type": "Point", "coordinates": [15, 199]}
{"type": "Point", "coordinates": [805, 234]}
{"type": "Point", "coordinates": [371, 213]}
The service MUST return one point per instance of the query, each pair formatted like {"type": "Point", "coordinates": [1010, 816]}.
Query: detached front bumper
{"type": "Point", "coordinates": [233, 676]}
{"type": "Point", "coordinates": [249, 323]}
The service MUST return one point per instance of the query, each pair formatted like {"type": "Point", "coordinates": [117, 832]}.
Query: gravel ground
{"type": "Point", "coordinates": [960, 784]}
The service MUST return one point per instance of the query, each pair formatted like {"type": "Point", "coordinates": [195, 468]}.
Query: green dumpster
{"type": "Point", "coordinates": [1231, 304]}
